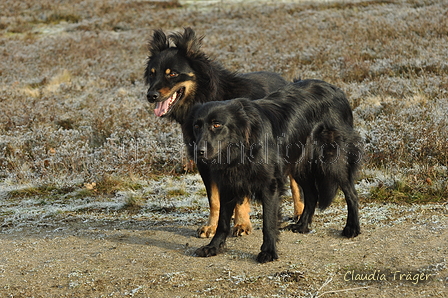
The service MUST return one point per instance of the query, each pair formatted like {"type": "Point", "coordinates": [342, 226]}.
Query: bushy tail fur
{"type": "Point", "coordinates": [336, 159]}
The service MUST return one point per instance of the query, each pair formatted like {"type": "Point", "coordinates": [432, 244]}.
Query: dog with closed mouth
{"type": "Point", "coordinates": [180, 75]}
{"type": "Point", "coordinates": [305, 130]}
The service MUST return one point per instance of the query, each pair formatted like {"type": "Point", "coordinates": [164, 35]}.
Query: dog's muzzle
{"type": "Point", "coordinates": [152, 96]}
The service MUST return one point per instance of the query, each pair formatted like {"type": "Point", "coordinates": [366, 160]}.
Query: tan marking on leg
{"type": "Point", "coordinates": [210, 229]}
{"type": "Point", "coordinates": [242, 225]}
{"type": "Point", "coordinates": [298, 204]}
{"type": "Point", "coordinates": [214, 205]}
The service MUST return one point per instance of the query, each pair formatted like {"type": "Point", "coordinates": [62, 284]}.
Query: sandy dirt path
{"type": "Point", "coordinates": [70, 256]}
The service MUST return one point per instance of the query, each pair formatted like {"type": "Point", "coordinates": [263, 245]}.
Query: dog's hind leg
{"type": "Point", "coordinates": [296, 197]}
{"type": "Point", "coordinates": [242, 225]}
{"type": "Point", "coordinates": [310, 200]}
{"type": "Point", "coordinates": [352, 228]}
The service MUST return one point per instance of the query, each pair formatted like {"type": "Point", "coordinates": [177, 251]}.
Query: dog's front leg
{"type": "Point", "coordinates": [242, 224]}
{"type": "Point", "coordinates": [218, 243]}
{"type": "Point", "coordinates": [208, 230]}
{"type": "Point", "coordinates": [270, 228]}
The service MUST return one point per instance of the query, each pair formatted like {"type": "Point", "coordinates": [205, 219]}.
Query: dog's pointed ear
{"type": "Point", "coordinates": [249, 119]}
{"type": "Point", "coordinates": [158, 43]}
{"type": "Point", "coordinates": [187, 126]}
{"type": "Point", "coordinates": [187, 42]}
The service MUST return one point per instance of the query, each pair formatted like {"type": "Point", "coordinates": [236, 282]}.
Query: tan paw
{"type": "Point", "coordinates": [206, 231]}
{"type": "Point", "coordinates": [242, 229]}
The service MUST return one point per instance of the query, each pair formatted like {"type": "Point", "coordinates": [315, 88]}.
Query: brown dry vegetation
{"type": "Point", "coordinates": [74, 121]}
{"type": "Point", "coordinates": [72, 93]}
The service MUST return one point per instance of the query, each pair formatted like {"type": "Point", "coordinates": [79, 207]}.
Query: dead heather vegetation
{"type": "Point", "coordinates": [73, 110]}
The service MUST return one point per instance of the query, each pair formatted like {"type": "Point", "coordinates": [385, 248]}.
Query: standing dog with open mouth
{"type": "Point", "coordinates": [179, 76]}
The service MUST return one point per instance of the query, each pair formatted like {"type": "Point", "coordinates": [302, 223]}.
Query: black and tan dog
{"type": "Point", "coordinates": [179, 76]}
{"type": "Point", "coordinates": [250, 146]}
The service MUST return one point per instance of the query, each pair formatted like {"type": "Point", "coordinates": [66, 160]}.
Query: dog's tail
{"type": "Point", "coordinates": [337, 156]}
{"type": "Point", "coordinates": [327, 144]}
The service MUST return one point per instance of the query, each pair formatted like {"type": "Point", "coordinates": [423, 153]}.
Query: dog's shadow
{"type": "Point", "coordinates": [172, 237]}
{"type": "Point", "coordinates": [335, 233]}
{"type": "Point", "coordinates": [329, 232]}
{"type": "Point", "coordinates": [179, 240]}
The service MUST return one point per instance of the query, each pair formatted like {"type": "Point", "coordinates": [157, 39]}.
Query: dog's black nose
{"type": "Point", "coordinates": [202, 150]}
{"type": "Point", "coordinates": [152, 96]}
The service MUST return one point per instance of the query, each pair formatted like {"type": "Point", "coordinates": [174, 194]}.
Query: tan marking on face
{"type": "Point", "coordinates": [168, 71]}
{"type": "Point", "coordinates": [191, 74]}
{"type": "Point", "coordinates": [190, 88]}
{"type": "Point", "coordinates": [165, 92]}
{"type": "Point", "coordinates": [153, 70]}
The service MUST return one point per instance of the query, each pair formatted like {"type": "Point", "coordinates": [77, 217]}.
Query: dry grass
{"type": "Point", "coordinates": [72, 95]}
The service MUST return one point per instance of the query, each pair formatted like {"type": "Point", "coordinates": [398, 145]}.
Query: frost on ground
{"type": "Point", "coordinates": [182, 200]}
{"type": "Point", "coordinates": [168, 198]}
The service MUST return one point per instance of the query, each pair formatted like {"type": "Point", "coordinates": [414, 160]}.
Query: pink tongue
{"type": "Point", "coordinates": [161, 108]}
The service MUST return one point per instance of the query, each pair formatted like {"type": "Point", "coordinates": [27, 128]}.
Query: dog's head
{"type": "Point", "coordinates": [169, 72]}
{"type": "Point", "coordinates": [221, 131]}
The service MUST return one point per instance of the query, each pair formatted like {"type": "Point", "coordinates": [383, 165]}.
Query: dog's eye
{"type": "Point", "coordinates": [216, 125]}
{"type": "Point", "coordinates": [173, 74]}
